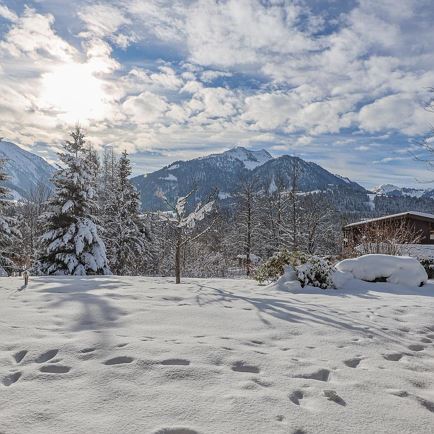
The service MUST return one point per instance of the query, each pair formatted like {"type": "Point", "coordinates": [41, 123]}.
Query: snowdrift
{"type": "Point", "coordinates": [400, 270]}
{"type": "Point", "coordinates": [288, 281]}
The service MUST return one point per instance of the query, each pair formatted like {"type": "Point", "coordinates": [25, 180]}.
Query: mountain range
{"type": "Point", "coordinates": [26, 171]}
{"type": "Point", "coordinates": [224, 172]}
{"type": "Point", "coordinates": [391, 190]}
{"type": "Point", "coordinates": [228, 170]}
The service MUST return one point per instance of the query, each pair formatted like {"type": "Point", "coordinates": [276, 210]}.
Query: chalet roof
{"type": "Point", "coordinates": [415, 214]}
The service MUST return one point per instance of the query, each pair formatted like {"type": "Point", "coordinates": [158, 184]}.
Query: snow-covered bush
{"type": "Point", "coordinates": [307, 269]}
{"type": "Point", "coordinates": [401, 270]}
{"type": "Point", "coordinates": [273, 268]}
{"type": "Point", "coordinates": [428, 265]}
{"type": "Point", "coordinates": [315, 272]}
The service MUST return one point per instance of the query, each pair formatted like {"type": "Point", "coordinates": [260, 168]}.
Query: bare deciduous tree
{"type": "Point", "coordinates": [385, 237]}
{"type": "Point", "coordinates": [184, 224]}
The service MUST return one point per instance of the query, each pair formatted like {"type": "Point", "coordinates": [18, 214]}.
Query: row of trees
{"type": "Point", "coordinates": [92, 224]}
{"type": "Point", "coordinates": [89, 224]}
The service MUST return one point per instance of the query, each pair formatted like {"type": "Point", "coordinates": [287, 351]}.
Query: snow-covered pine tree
{"type": "Point", "coordinates": [127, 238]}
{"type": "Point", "coordinates": [107, 177]}
{"type": "Point", "coordinates": [7, 231]}
{"type": "Point", "coordinates": [71, 243]}
{"type": "Point", "coordinates": [27, 214]}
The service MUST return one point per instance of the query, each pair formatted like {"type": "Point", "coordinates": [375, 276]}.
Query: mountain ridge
{"type": "Point", "coordinates": [222, 171]}
{"type": "Point", "coordinates": [25, 169]}
{"type": "Point", "coordinates": [391, 190]}
{"type": "Point", "coordinates": [225, 171]}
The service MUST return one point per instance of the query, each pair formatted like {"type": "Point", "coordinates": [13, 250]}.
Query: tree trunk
{"type": "Point", "coordinates": [178, 259]}
{"type": "Point", "coordinates": [249, 237]}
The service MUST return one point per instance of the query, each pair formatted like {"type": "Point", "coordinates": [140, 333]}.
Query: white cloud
{"type": "Point", "coordinates": [145, 108]}
{"type": "Point", "coordinates": [102, 20]}
{"type": "Point", "coordinates": [7, 14]}
{"type": "Point", "coordinates": [395, 112]}
{"type": "Point", "coordinates": [211, 75]}
{"type": "Point", "coordinates": [238, 32]}
{"type": "Point", "coordinates": [368, 69]}
{"type": "Point", "coordinates": [32, 35]}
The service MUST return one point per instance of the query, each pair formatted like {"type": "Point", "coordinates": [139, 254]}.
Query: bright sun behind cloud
{"type": "Point", "coordinates": [75, 92]}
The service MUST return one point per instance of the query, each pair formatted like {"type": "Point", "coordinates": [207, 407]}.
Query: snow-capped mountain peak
{"type": "Point", "coordinates": [385, 189]}
{"type": "Point", "coordinates": [250, 159]}
{"type": "Point", "coordinates": [225, 172]}
{"type": "Point", "coordinates": [393, 190]}
{"type": "Point", "coordinates": [25, 169]}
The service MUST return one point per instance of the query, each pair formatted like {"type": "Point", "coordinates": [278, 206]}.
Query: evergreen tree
{"type": "Point", "coordinates": [71, 244]}
{"type": "Point", "coordinates": [127, 238]}
{"type": "Point", "coordinates": [8, 234]}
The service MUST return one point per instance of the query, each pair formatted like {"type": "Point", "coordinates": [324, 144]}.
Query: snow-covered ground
{"type": "Point", "coordinates": [142, 355]}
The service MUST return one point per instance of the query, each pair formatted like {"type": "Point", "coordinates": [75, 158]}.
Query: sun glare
{"type": "Point", "coordinates": [75, 92]}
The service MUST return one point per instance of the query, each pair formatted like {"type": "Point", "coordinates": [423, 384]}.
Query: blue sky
{"type": "Point", "coordinates": [341, 83]}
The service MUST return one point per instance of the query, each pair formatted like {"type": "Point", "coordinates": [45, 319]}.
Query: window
{"type": "Point", "coordinates": [431, 231]}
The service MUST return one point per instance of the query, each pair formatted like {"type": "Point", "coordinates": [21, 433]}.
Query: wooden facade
{"type": "Point", "coordinates": [415, 223]}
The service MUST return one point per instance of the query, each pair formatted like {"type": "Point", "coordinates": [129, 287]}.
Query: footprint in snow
{"type": "Point", "coordinates": [11, 378]}
{"type": "Point", "coordinates": [55, 369]}
{"type": "Point", "coordinates": [176, 431]}
{"type": "Point", "coordinates": [331, 395]}
{"type": "Point", "coordinates": [422, 401]}
{"type": "Point", "coordinates": [320, 375]}
{"type": "Point", "coordinates": [48, 355]}
{"type": "Point", "coordinates": [118, 360]}
{"type": "Point", "coordinates": [416, 347]}
{"type": "Point", "coordinates": [19, 356]}
{"type": "Point", "coordinates": [244, 367]}
{"type": "Point", "coordinates": [296, 396]}
{"type": "Point", "coordinates": [425, 403]}
{"type": "Point", "coordinates": [175, 362]}
{"type": "Point", "coordinates": [393, 357]}
{"type": "Point", "coordinates": [87, 350]}
{"type": "Point", "coordinates": [352, 363]}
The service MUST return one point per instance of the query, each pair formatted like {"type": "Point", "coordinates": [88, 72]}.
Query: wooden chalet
{"type": "Point", "coordinates": [416, 222]}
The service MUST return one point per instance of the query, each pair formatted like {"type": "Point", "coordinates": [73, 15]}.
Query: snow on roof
{"type": "Point", "coordinates": [387, 217]}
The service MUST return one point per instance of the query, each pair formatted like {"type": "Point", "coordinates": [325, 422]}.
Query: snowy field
{"type": "Point", "coordinates": [141, 355]}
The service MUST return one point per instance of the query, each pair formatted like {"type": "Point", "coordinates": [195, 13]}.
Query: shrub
{"type": "Point", "coordinates": [272, 269]}
{"type": "Point", "coordinates": [315, 272]}
{"type": "Point", "coordinates": [428, 264]}
{"type": "Point", "coordinates": [311, 270]}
